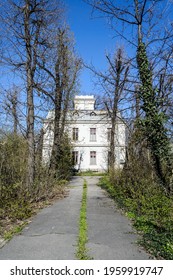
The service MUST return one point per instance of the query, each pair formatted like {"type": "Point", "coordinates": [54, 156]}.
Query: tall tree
{"type": "Point", "coordinates": [28, 23]}
{"type": "Point", "coordinates": [141, 15]}
{"type": "Point", "coordinates": [113, 83]}
{"type": "Point", "coordinates": [116, 79]}
{"type": "Point", "coordinates": [61, 72]}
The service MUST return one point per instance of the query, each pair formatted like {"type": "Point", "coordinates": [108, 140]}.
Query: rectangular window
{"type": "Point", "coordinates": [92, 134]}
{"type": "Point", "coordinates": [109, 134]}
{"type": "Point", "coordinates": [75, 134]}
{"type": "Point", "coordinates": [75, 157]}
{"type": "Point", "coordinates": [93, 158]}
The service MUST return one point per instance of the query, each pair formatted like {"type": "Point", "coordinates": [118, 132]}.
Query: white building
{"type": "Point", "coordinates": [89, 130]}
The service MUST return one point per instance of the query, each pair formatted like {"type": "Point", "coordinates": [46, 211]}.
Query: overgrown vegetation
{"type": "Point", "coordinates": [46, 70]}
{"type": "Point", "coordinates": [18, 203]}
{"type": "Point", "coordinates": [146, 204]}
{"type": "Point", "coordinates": [14, 230]}
{"type": "Point", "coordinates": [45, 54]}
{"type": "Point", "coordinates": [144, 187]}
{"type": "Point", "coordinates": [34, 41]}
{"type": "Point", "coordinates": [153, 124]}
{"type": "Point", "coordinates": [64, 166]}
{"type": "Point", "coordinates": [82, 252]}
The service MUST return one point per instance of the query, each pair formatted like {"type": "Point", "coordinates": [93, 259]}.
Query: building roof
{"type": "Point", "coordinates": [84, 112]}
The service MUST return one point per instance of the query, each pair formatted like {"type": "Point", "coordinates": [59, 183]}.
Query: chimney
{"type": "Point", "coordinates": [84, 102]}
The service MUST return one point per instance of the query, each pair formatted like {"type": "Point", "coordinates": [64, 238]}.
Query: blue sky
{"type": "Point", "coordinates": [93, 39]}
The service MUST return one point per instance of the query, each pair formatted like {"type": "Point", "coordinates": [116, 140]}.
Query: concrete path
{"type": "Point", "coordinates": [111, 236]}
{"type": "Point", "coordinates": [53, 232]}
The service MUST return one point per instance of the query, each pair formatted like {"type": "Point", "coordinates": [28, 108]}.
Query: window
{"type": "Point", "coordinates": [93, 158]}
{"type": "Point", "coordinates": [75, 134]}
{"type": "Point", "coordinates": [93, 134]}
{"type": "Point", "coordinates": [109, 134]}
{"type": "Point", "coordinates": [122, 156]}
{"type": "Point", "coordinates": [75, 157]}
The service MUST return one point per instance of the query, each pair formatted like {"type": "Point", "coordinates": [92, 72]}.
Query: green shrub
{"type": "Point", "coordinates": [138, 189]}
{"type": "Point", "coordinates": [65, 164]}
{"type": "Point", "coordinates": [14, 201]}
{"type": "Point", "coordinates": [13, 149]}
{"type": "Point", "coordinates": [13, 194]}
{"type": "Point", "coordinates": [147, 205]}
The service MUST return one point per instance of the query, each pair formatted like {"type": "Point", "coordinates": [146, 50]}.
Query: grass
{"type": "Point", "coordinates": [90, 173]}
{"type": "Point", "coordinates": [151, 214]}
{"type": "Point", "coordinates": [15, 214]}
{"type": "Point", "coordinates": [15, 230]}
{"type": "Point", "coordinates": [157, 241]}
{"type": "Point", "coordinates": [82, 251]}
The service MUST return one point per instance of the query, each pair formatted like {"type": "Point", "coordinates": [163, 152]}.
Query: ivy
{"type": "Point", "coordinates": [153, 123]}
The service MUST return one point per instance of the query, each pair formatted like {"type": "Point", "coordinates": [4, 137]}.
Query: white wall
{"type": "Point", "coordinates": [101, 161]}
{"type": "Point", "coordinates": [47, 142]}
{"type": "Point", "coordinates": [84, 120]}
{"type": "Point", "coordinates": [101, 146]}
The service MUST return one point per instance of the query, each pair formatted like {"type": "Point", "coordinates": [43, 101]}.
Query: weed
{"type": "Point", "coordinates": [82, 251]}
{"type": "Point", "coordinates": [150, 210]}
{"type": "Point", "coordinates": [15, 230]}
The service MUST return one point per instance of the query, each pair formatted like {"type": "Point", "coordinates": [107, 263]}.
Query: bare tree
{"type": "Point", "coordinates": [10, 105]}
{"type": "Point", "coordinates": [140, 18]}
{"type": "Point", "coordinates": [113, 84]}
{"type": "Point", "coordinates": [61, 73]}
{"type": "Point", "coordinates": [28, 23]}
{"type": "Point", "coordinates": [117, 78]}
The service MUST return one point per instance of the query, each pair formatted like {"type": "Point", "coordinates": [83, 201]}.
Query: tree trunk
{"type": "Point", "coordinates": [30, 101]}
{"type": "Point", "coordinates": [30, 135]}
{"type": "Point", "coordinates": [57, 137]}
{"type": "Point", "coordinates": [112, 140]}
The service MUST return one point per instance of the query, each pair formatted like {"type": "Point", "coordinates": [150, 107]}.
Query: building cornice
{"type": "Point", "coordinates": [96, 145]}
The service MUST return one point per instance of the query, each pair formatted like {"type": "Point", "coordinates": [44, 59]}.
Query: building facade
{"type": "Point", "coordinates": [89, 130]}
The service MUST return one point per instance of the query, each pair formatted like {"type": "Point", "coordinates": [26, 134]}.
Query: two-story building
{"type": "Point", "coordinates": [89, 130]}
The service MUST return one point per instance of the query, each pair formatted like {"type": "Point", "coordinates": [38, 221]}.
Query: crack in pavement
{"type": "Point", "coordinates": [50, 233]}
